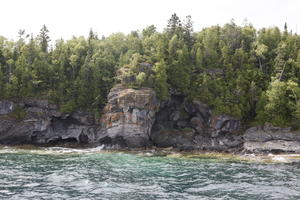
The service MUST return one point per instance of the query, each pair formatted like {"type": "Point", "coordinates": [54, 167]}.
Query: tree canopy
{"type": "Point", "coordinates": [237, 70]}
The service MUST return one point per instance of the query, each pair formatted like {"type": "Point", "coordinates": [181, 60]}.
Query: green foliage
{"type": "Point", "coordinates": [280, 104]}
{"type": "Point", "coordinates": [160, 80]}
{"type": "Point", "coordinates": [236, 70]}
{"type": "Point", "coordinates": [18, 113]}
{"type": "Point", "coordinates": [187, 130]}
{"type": "Point", "coordinates": [68, 107]}
{"type": "Point", "coordinates": [44, 39]}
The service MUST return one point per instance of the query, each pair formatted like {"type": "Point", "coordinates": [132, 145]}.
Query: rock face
{"type": "Point", "coordinates": [135, 118]}
{"type": "Point", "coordinates": [42, 123]}
{"type": "Point", "coordinates": [6, 107]}
{"type": "Point", "coordinates": [128, 117]}
{"type": "Point", "coordinates": [190, 125]}
{"type": "Point", "coordinates": [224, 124]}
{"type": "Point", "coordinates": [271, 139]}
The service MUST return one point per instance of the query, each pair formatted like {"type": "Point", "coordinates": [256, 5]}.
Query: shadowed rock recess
{"type": "Point", "coordinates": [38, 122]}
{"type": "Point", "coordinates": [135, 118]}
{"type": "Point", "coordinates": [190, 126]}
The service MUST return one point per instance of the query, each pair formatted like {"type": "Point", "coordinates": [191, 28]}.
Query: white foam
{"type": "Point", "coordinates": [73, 150]}
{"type": "Point", "coordinates": [279, 159]}
{"type": "Point", "coordinates": [50, 150]}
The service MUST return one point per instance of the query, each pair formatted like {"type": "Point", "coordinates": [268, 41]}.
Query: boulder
{"type": "Point", "coordinates": [223, 124]}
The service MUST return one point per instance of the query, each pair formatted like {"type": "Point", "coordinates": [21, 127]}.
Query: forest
{"type": "Point", "coordinates": [250, 74]}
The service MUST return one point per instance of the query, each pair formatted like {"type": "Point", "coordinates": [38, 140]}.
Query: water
{"type": "Point", "coordinates": [57, 173]}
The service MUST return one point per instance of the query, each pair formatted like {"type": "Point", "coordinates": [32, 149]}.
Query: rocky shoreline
{"type": "Point", "coordinates": [136, 119]}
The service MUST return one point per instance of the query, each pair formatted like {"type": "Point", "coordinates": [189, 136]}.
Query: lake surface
{"type": "Point", "coordinates": [60, 173]}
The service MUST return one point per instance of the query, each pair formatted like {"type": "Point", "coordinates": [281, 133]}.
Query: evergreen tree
{"type": "Point", "coordinates": [236, 70]}
{"type": "Point", "coordinates": [44, 39]}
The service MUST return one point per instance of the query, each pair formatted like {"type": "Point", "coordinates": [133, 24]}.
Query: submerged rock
{"type": "Point", "coordinates": [128, 117]}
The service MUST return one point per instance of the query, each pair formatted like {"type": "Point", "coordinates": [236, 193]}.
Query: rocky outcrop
{"type": "Point", "coordinates": [6, 107]}
{"type": "Point", "coordinates": [174, 138]}
{"type": "Point", "coordinates": [267, 138]}
{"type": "Point", "coordinates": [135, 118]}
{"type": "Point", "coordinates": [39, 122]}
{"type": "Point", "coordinates": [190, 126]}
{"type": "Point", "coordinates": [128, 117]}
{"type": "Point", "coordinates": [221, 124]}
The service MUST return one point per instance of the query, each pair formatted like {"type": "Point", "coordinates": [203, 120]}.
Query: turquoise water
{"type": "Point", "coordinates": [81, 174]}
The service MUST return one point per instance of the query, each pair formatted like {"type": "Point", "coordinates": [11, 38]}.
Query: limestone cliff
{"type": "Point", "coordinates": [135, 118]}
{"type": "Point", "coordinates": [128, 117]}
{"type": "Point", "coordinates": [43, 123]}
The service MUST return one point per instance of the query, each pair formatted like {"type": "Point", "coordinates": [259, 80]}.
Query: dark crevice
{"type": "Point", "coordinates": [83, 139]}
{"type": "Point", "coordinates": [59, 141]}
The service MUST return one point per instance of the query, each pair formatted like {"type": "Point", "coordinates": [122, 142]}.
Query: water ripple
{"type": "Point", "coordinates": [92, 174]}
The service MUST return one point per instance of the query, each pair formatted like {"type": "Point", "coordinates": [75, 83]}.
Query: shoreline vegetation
{"type": "Point", "coordinates": [226, 89]}
{"type": "Point", "coordinates": [237, 70]}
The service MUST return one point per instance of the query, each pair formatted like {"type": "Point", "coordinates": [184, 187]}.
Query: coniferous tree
{"type": "Point", "coordinates": [44, 39]}
{"type": "Point", "coordinates": [236, 70]}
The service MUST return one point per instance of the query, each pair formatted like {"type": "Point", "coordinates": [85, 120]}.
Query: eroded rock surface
{"type": "Point", "coordinates": [135, 118]}
{"type": "Point", "coordinates": [43, 123]}
{"type": "Point", "coordinates": [190, 125]}
{"type": "Point", "coordinates": [6, 107]}
{"type": "Point", "coordinates": [128, 117]}
{"type": "Point", "coordinates": [269, 138]}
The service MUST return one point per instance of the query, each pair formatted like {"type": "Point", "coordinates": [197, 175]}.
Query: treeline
{"type": "Point", "coordinates": [238, 70]}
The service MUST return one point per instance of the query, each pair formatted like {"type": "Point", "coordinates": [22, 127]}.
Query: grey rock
{"type": "Point", "coordinates": [198, 124]}
{"type": "Point", "coordinates": [262, 134]}
{"type": "Point", "coordinates": [269, 138]}
{"type": "Point", "coordinates": [224, 124]}
{"type": "Point", "coordinates": [178, 114]}
{"type": "Point", "coordinates": [181, 124]}
{"type": "Point", "coordinates": [203, 110]}
{"type": "Point", "coordinates": [44, 124]}
{"type": "Point", "coordinates": [172, 138]}
{"type": "Point", "coordinates": [175, 116]}
{"type": "Point", "coordinates": [277, 146]}
{"type": "Point", "coordinates": [85, 118]}
{"type": "Point", "coordinates": [36, 103]}
{"type": "Point", "coordinates": [5, 125]}
{"type": "Point", "coordinates": [6, 107]}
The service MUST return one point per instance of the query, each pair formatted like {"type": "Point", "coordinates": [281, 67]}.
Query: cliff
{"type": "Point", "coordinates": [190, 125]}
{"type": "Point", "coordinates": [135, 118]}
{"type": "Point", "coordinates": [39, 122]}
{"type": "Point", "coordinates": [128, 117]}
